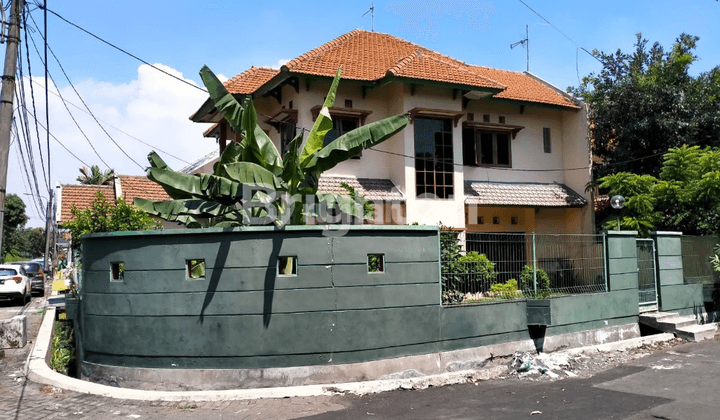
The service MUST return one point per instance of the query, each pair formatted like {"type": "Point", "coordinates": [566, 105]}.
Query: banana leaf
{"type": "Point", "coordinates": [349, 144]}
{"type": "Point", "coordinates": [185, 211]}
{"type": "Point", "coordinates": [344, 204]}
{"type": "Point", "coordinates": [202, 186]}
{"type": "Point", "coordinates": [251, 174]}
{"type": "Point", "coordinates": [232, 153]}
{"type": "Point", "coordinates": [243, 120]}
{"type": "Point", "coordinates": [323, 124]}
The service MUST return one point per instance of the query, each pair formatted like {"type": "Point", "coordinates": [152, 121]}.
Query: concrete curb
{"type": "Point", "coordinates": [37, 370]}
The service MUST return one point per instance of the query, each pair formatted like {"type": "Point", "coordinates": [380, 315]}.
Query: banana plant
{"type": "Point", "coordinates": [252, 183]}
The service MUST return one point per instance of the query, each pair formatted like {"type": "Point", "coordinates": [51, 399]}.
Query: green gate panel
{"type": "Point", "coordinates": [682, 297]}
{"type": "Point", "coordinates": [624, 281]}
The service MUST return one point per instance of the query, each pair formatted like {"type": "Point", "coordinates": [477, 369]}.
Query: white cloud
{"type": "Point", "coordinates": [153, 108]}
{"type": "Point", "coordinates": [281, 62]}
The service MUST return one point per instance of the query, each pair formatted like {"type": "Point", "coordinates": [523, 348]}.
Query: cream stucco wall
{"type": "Point", "coordinates": [569, 150]}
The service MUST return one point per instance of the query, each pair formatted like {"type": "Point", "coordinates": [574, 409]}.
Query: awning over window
{"type": "Point", "coordinates": [524, 195]}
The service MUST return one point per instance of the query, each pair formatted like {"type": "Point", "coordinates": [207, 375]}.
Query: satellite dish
{"type": "Point", "coordinates": [617, 202]}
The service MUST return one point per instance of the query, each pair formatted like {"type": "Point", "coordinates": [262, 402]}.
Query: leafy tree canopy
{"type": "Point", "coordinates": [645, 102]}
{"type": "Point", "coordinates": [14, 219]}
{"type": "Point", "coordinates": [684, 197]}
{"type": "Point", "coordinates": [102, 216]}
{"type": "Point", "coordinates": [94, 176]}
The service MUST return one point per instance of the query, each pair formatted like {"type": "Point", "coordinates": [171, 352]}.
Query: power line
{"type": "Point", "coordinates": [24, 166]}
{"type": "Point", "coordinates": [59, 142]}
{"type": "Point", "coordinates": [121, 50]}
{"type": "Point", "coordinates": [558, 29]}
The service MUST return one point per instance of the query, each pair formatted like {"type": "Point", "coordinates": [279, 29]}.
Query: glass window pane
{"type": "Point", "coordinates": [486, 148]}
{"type": "Point", "coordinates": [348, 124]}
{"type": "Point", "coordinates": [503, 149]}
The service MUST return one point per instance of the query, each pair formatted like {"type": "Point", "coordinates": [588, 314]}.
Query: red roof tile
{"type": "Point", "coordinates": [522, 87]}
{"type": "Point", "coordinates": [81, 196]}
{"type": "Point", "coordinates": [371, 56]}
{"type": "Point", "coordinates": [141, 187]}
{"type": "Point", "coordinates": [250, 80]}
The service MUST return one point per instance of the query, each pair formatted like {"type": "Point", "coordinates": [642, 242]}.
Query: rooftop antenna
{"type": "Point", "coordinates": [525, 42]}
{"type": "Point", "coordinates": [372, 15]}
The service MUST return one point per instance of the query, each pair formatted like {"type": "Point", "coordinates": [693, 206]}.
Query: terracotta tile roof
{"type": "Point", "coordinates": [134, 186]}
{"type": "Point", "coordinates": [81, 196]}
{"type": "Point", "coordinates": [370, 188]}
{"type": "Point", "coordinates": [250, 80]}
{"type": "Point", "coordinates": [371, 56]}
{"type": "Point", "coordinates": [522, 87]}
{"type": "Point", "coordinates": [527, 195]}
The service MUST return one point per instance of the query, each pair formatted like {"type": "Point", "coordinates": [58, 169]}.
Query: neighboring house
{"type": "Point", "coordinates": [486, 150]}
{"type": "Point", "coordinates": [128, 186]}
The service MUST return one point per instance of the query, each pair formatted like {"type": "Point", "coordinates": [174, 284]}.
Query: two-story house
{"type": "Point", "coordinates": [487, 150]}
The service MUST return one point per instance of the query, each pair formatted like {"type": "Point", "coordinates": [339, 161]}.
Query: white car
{"type": "Point", "coordinates": [14, 282]}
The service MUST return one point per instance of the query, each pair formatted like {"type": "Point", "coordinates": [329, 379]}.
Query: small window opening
{"type": "Point", "coordinates": [496, 220]}
{"type": "Point", "coordinates": [195, 269]}
{"type": "Point", "coordinates": [287, 266]}
{"type": "Point", "coordinates": [290, 105]}
{"type": "Point", "coordinates": [547, 140]}
{"type": "Point", "coordinates": [348, 103]}
{"type": "Point", "coordinates": [486, 118]}
{"type": "Point", "coordinates": [514, 220]}
{"type": "Point", "coordinates": [501, 119]}
{"type": "Point", "coordinates": [376, 263]}
{"type": "Point", "coordinates": [481, 220]}
{"type": "Point", "coordinates": [470, 116]}
{"type": "Point", "coordinates": [118, 271]}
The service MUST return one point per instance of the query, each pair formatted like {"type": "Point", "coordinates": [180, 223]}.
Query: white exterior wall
{"type": "Point", "coordinates": [576, 140]}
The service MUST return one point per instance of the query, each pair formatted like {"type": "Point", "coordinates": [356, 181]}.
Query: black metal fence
{"type": "Point", "coordinates": [501, 266]}
{"type": "Point", "coordinates": [696, 254]}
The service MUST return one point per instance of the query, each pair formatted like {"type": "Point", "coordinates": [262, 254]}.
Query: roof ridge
{"type": "Point", "coordinates": [87, 185]}
{"type": "Point", "coordinates": [403, 62]}
{"type": "Point", "coordinates": [466, 69]}
{"type": "Point", "coordinates": [521, 73]}
{"type": "Point", "coordinates": [330, 45]}
{"type": "Point", "coordinates": [251, 70]}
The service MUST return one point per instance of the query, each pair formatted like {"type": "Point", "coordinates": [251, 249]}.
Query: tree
{"type": "Point", "coordinates": [685, 196]}
{"type": "Point", "coordinates": [252, 183]}
{"type": "Point", "coordinates": [644, 103]}
{"type": "Point", "coordinates": [15, 218]}
{"type": "Point", "coordinates": [102, 216]}
{"type": "Point", "coordinates": [94, 176]}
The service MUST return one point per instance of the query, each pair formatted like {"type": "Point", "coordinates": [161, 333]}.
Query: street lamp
{"type": "Point", "coordinates": [617, 202]}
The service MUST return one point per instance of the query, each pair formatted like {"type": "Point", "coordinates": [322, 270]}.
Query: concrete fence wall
{"type": "Point", "coordinates": [245, 315]}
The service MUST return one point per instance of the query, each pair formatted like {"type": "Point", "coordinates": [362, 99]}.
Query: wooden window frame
{"type": "Point", "coordinates": [447, 190]}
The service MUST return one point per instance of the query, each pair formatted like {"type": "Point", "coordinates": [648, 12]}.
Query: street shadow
{"type": "Point", "coordinates": [270, 276]}
{"type": "Point", "coordinates": [217, 271]}
{"type": "Point", "coordinates": [537, 334]}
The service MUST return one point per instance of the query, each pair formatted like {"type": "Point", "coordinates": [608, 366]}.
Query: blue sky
{"type": "Point", "coordinates": [231, 36]}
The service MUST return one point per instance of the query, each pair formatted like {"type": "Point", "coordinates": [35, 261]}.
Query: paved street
{"type": "Point", "coordinates": [674, 383]}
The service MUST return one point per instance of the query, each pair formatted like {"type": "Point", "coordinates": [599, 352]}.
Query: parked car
{"type": "Point", "coordinates": [14, 282]}
{"type": "Point", "coordinates": [37, 277]}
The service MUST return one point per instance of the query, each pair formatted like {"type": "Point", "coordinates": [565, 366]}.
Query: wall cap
{"type": "Point", "coordinates": [620, 232]}
{"type": "Point", "coordinates": [329, 229]}
{"type": "Point", "coordinates": [665, 233]}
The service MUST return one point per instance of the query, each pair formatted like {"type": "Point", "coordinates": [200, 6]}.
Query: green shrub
{"type": "Point", "coordinates": [510, 286]}
{"type": "Point", "coordinates": [474, 263]}
{"type": "Point", "coordinates": [63, 347]}
{"type": "Point", "coordinates": [526, 280]}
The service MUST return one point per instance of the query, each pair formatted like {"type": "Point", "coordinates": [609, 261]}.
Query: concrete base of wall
{"type": "Point", "coordinates": [396, 368]}
{"type": "Point", "coordinates": [13, 332]}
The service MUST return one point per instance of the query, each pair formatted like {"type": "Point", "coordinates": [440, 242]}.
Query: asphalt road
{"type": "Point", "coordinates": [677, 383]}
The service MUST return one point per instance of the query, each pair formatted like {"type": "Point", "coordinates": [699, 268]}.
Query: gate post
{"type": "Point", "coordinates": [621, 258]}
{"type": "Point", "coordinates": [673, 295]}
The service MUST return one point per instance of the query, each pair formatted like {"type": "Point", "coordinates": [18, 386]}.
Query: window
{"type": "Point", "coordinates": [287, 134]}
{"type": "Point", "coordinates": [117, 271]}
{"type": "Point", "coordinates": [376, 263]}
{"type": "Point", "coordinates": [287, 266]}
{"type": "Point", "coordinates": [195, 269]}
{"type": "Point", "coordinates": [547, 140]}
{"type": "Point", "coordinates": [342, 125]}
{"type": "Point", "coordinates": [486, 148]}
{"type": "Point", "coordinates": [433, 157]}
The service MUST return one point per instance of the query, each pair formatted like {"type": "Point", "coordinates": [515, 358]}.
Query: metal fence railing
{"type": "Point", "coordinates": [696, 253]}
{"type": "Point", "coordinates": [502, 266]}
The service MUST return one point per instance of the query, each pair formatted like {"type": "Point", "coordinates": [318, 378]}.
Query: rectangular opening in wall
{"type": "Point", "coordinates": [117, 271]}
{"type": "Point", "coordinates": [547, 140]}
{"type": "Point", "coordinates": [195, 269]}
{"type": "Point", "coordinates": [376, 263]}
{"type": "Point", "coordinates": [287, 266]}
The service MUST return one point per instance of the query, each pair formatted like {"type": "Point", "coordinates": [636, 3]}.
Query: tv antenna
{"type": "Point", "coordinates": [371, 10]}
{"type": "Point", "coordinates": [525, 42]}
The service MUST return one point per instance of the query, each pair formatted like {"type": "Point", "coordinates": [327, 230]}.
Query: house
{"type": "Point", "coordinates": [129, 187]}
{"type": "Point", "coordinates": [487, 150]}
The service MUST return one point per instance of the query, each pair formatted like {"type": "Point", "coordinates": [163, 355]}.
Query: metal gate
{"type": "Point", "coordinates": [647, 278]}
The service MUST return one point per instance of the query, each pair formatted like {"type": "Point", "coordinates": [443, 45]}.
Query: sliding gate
{"type": "Point", "coordinates": [647, 275]}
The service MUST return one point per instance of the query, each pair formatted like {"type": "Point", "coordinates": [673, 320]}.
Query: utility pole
{"type": "Point", "coordinates": [48, 224]}
{"type": "Point", "coordinates": [6, 101]}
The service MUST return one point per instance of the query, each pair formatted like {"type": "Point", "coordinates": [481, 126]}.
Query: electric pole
{"type": "Point", "coordinates": [6, 101]}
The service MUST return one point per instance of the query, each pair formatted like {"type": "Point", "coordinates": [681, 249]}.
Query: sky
{"type": "Point", "coordinates": [142, 109]}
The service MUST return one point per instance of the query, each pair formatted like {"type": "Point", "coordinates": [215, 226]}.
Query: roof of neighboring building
{"type": "Point", "coordinates": [81, 196]}
{"type": "Point", "coordinates": [370, 188]}
{"type": "Point", "coordinates": [371, 56]}
{"type": "Point", "coordinates": [526, 195]}
{"type": "Point", "coordinates": [215, 154]}
{"type": "Point", "coordinates": [250, 80]}
{"type": "Point", "coordinates": [139, 186]}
